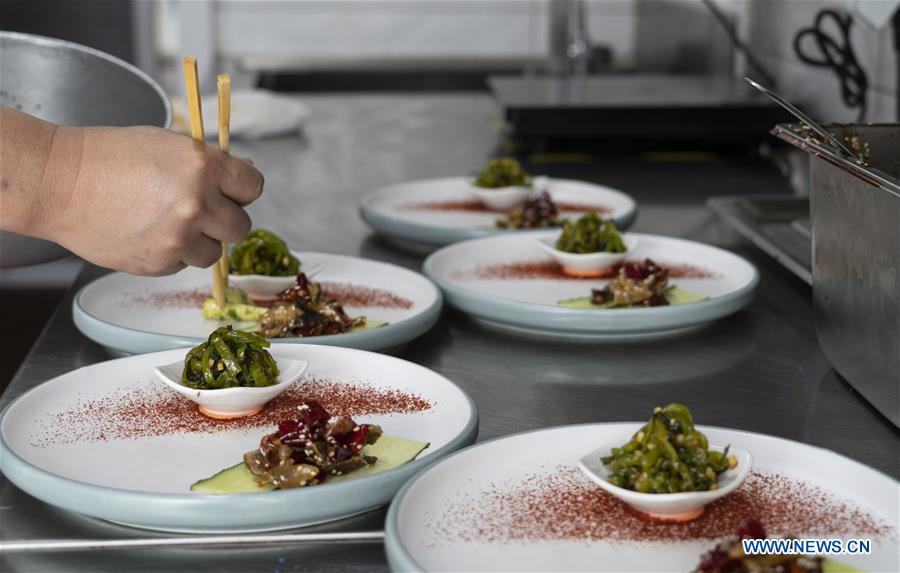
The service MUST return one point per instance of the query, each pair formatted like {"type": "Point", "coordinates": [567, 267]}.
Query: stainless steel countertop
{"type": "Point", "coordinates": [759, 370]}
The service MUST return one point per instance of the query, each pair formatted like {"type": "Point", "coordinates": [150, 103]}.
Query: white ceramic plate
{"type": "Point", "coordinates": [437, 212]}
{"type": "Point", "coordinates": [476, 278]}
{"type": "Point", "coordinates": [423, 536]}
{"type": "Point", "coordinates": [144, 481]}
{"type": "Point", "coordinates": [142, 314]}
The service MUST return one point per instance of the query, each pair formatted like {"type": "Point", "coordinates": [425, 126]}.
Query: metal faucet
{"type": "Point", "coordinates": [569, 47]}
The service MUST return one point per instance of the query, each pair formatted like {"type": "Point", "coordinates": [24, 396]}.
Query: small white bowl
{"type": "Point", "coordinates": [586, 264]}
{"type": "Point", "coordinates": [505, 198]}
{"type": "Point", "coordinates": [668, 506]}
{"type": "Point", "coordinates": [228, 403]}
{"type": "Point", "coordinates": [262, 287]}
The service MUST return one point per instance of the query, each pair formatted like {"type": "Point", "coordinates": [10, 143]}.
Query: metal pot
{"type": "Point", "coordinates": [855, 216]}
{"type": "Point", "coordinates": [70, 84]}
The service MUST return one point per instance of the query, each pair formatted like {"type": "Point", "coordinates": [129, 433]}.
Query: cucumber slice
{"type": "Point", "coordinates": [832, 566]}
{"type": "Point", "coordinates": [232, 311]}
{"type": "Point", "coordinates": [391, 452]}
{"type": "Point", "coordinates": [680, 296]}
{"type": "Point", "coordinates": [236, 479]}
{"type": "Point", "coordinates": [369, 325]}
{"type": "Point", "coordinates": [675, 295]}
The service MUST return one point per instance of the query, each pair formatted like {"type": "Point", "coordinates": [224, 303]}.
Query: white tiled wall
{"type": "Point", "coordinates": [650, 35]}
{"type": "Point", "coordinates": [310, 33]}
{"type": "Point", "coordinates": [772, 25]}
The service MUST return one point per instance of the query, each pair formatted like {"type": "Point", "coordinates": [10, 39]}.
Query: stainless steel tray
{"type": "Point", "coordinates": [777, 224]}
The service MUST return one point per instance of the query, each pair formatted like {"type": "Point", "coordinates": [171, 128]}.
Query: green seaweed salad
{"type": "Point", "coordinates": [502, 172]}
{"type": "Point", "coordinates": [590, 234]}
{"type": "Point", "coordinates": [228, 359]}
{"type": "Point", "coordinates": [668, 455]}
{"type": "Point", "coordinates": [263, 253]}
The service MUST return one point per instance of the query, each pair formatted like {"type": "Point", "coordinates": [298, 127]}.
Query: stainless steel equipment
{"type": "Point", "coordinates": [569, 49]}
{"type": "Point", "coordinates": [777, 224]}
{"type": "Point", "coordinates": [855, 214]}
{"type": "Point", "coordinates": [821, 131]}
{"type": "Point", "coordinates": [70, 84]}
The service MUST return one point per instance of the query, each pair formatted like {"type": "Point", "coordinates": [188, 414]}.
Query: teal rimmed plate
{"type": "Point", "coordinates": [98, 441]}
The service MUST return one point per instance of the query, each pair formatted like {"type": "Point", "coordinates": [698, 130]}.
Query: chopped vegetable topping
{"type": "Point", "coordinates": [590, 234]}
{"type": "Point", "coordinates": [307, 450]}
{"type": "Point", "coordinates": [263, 253]}
{"type": "Point", "coordinates": [230, 358]}
{"type": "Point", "coordinates": [503, 172]}
{"type": "Point", "coordinates": [635, 284]}
{"type": "Point", "coordinates": [667, 455]}
{"type": "Point", "coordinates": [538, 212]}
{"type": "Point", "coordinates": [302, 311]}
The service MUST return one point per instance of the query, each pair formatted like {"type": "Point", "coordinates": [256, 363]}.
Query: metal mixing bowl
{"type": "Point", "coordinates": [70, 84]}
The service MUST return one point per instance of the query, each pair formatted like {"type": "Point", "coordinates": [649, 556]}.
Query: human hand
{"type": "Point", "coordinates": [146, 200]}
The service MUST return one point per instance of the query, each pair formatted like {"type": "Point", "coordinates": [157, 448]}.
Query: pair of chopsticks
{"type": "Point", "coordinates": [192, 83]}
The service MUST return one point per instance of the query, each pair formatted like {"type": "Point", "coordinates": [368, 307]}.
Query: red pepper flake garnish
{"type": "Point", "coordinates": [549, 269]}
{"type": "Point", "coordinates": [364, 297]}
{"type": "Point", "coordinates": [148, 409]}
{"type": "Point", "coordinates": [473, 205]}
{"type": "Point", "coordinates": [187, 298]}
{"type": "Point", "coordinates": [347, 294]}
{"type": "Point", "coordinates": [560, 503]}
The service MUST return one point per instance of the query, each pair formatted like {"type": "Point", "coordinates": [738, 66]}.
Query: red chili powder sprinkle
{"type": "Point", "coordinates": [549, 269]}
{"type": "Point", "coordinates": [147, 409]}
{"type": "Point", "coordinates": [582, 207]}
{"type": "Point", "coordinates": [346, 293]}
{"type": "Point", "coordinates": [188, 298]}
{"type": "Point", "coordinates": [473, 205]}
{"type": "Point", "coordinates": [562, 504]}
{"type": "Point", "coordinates": [363, 296]}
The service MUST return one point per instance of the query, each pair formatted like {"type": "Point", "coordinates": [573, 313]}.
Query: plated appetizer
{"type": "Point", "coordinates": [228, 359]}
{"type": "Point", "coordinates": [148, 445]}
{"type": "Point", "coordinates": [142, 314]}
{"type": "Point", "coordinates": [668, 455]}
{"type": "Point", "coordinates": [635, 285]}
{"type": "Point", "coordinates": [262, 265]}
{"type": "Point", "coordinates": [231, 374]}
{"type": "Point", "coordinates": [588, 246]}
{"type": "Point", "coordinates": [509, 283]}
{"type": "Point", "coordinates": [437, 212]}
{"type": "Point", "coordinates": [311, 449]}
{"type": "Point", "coordinates": [667, 470]}
{"type": "Point", "coordinates": [502, 184]}
{"type": "Point", "coordinates": [541, 512]}
{"type": "Point", "coordinates": [501, 173]}
{"type": "Point", "coordinates": [729, 557]}
{"type": "Point", "coordinates": [263, 253]}
{"type": "Point", "coordinates": [590, 234]}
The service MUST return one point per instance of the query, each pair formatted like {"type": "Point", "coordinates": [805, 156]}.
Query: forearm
{"type": "Point", "coordinates": [39, 165]}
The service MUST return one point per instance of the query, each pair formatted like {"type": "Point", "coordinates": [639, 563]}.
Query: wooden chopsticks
{"type": "Point", "coordinates": [223, 82]}
{"type": "Point", "coordinates": [192, 84]}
